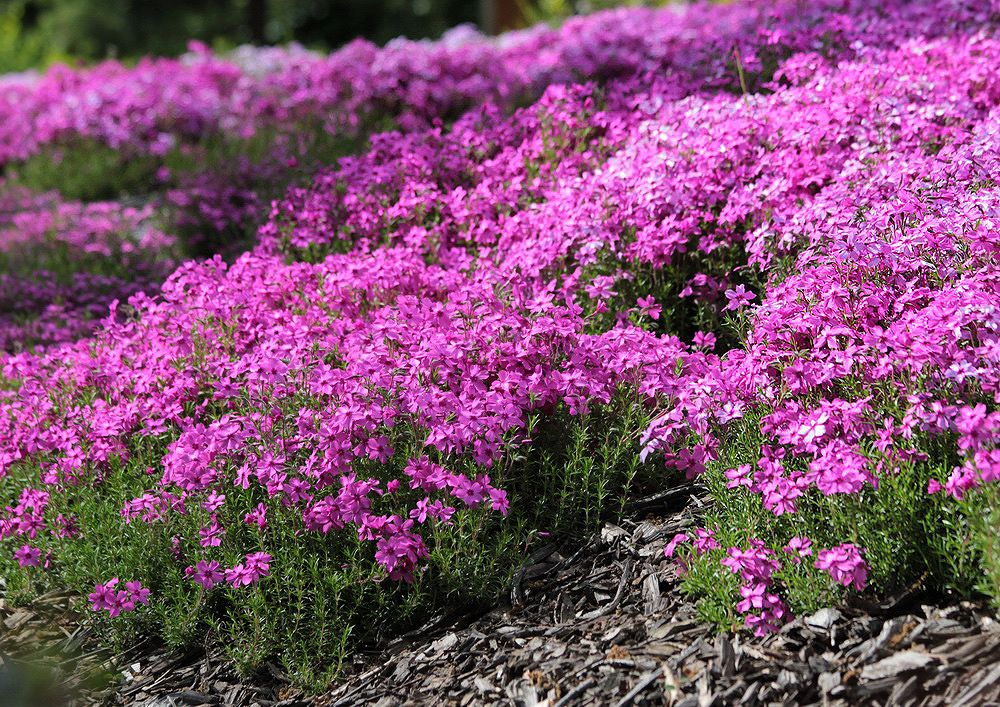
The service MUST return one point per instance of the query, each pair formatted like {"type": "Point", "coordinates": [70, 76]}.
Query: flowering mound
{"type": "Point", "coordinates": [150, 107]}
{"type": "Point", "coordinates": [64, 262]}
{"type": "Point", "coordinates": [207, 141]}
{"type": "Point", "coordinates": [773, 267]}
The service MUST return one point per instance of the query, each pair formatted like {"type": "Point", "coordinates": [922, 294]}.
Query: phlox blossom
{"type": "Point", "coordinates": [738, 297]}
{"type": "Point", "coordinates": [845, 565]}
{"type": "Point", "coordinates": [28, 556]}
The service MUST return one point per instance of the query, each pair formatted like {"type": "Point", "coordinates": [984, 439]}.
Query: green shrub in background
{"type": "Point", "coordinates": [555, 11]}
{"type": "Point", "coordinates": [35, 33]}
{"type": "Point", "coordinates": [22, 48]}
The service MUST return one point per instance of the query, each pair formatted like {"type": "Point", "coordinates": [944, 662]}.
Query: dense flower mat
{"type": "Point", "coordinates": [757, 242]}
{"type": "Point", "coordinates": [153, 105]}
{"type": "Point", "coordinates": [206, 141]}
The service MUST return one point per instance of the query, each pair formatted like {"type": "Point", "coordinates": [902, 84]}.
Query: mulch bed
{"type": "Point", "coordinates": [607, 625]}
{"type": "Point", "coordinates": [602, 624]}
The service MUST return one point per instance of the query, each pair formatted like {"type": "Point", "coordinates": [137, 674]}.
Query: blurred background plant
{"type": "Point", "coordinates": [555, 11]}
{"type": "Point", "coordinates": [36, 33]}
{"type": "Point", "coordinates": [21, 45]}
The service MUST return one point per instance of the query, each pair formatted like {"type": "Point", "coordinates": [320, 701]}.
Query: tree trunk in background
{"type": "Point", "coordinates": [257, 21]}
{"type": "Point", "coordinates": [497, 16]}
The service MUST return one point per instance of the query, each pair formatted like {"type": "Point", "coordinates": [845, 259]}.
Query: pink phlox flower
{"type": "Point", "coordinates": [105, 597]}
{"type": "Point", "coordinates": [214, 501]}
{"type": "Point", "coordinates": [441, 512]}
{"type": "Point", "coordinates": [798, 547]}
{"type": "Point", "coordinates": [421, 511]}
{"type": "Point", "coordinates": [704, 340]}
{"type": "Point", "coordinates": [254, 567]}
{"type": "Point", "coordinates": [740, 476]}
{"type": "Point", "coordinates": [845, 565]}
{"type": "Point", "coordinates": [137, 593]}
{"type": "Point", "coordinates": [257, 517]}
{"type": "Point", "coordinates": [399, 553]}
{"type": "Point", "coordinates": [471, 493]}
{"type": "Point", "coordinates": [648, 307]}
{"type": "Point", "coordinates": [779, 493]}
{"type": "Point", "coordinates": [601, 287]}
{"type": "Point", "coordinates": [754, 564]}
{"type": "Point", "coordinates": [738, 297]}
{"type": "Point", "coordinates": [704, 541]}
{"type": "Point", "coordinates": [675, 541]}
{"type": "Point", "coordinates": [377, 448]}
{"type": "Point", "coordinates": [28, 556]}
{"type": "Point", "coordinates": [259, 563]}
{"type": "Point", "coordinates": [500, 501]}
{"type": "Point", "coordinates": [729, 411]}
{"type": "Point", "coordinates": [211, 534]}
{"type": "Point", "coordinates": [961, 480]}
{"type": "Point", "coordinates": [206, 573]}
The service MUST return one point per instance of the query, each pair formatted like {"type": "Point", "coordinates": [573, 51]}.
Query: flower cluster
{"type": "Point", "coordinates": [106, 598]}
{"type": "Point", "coordinates": [845, 565]}
{"type": "Point", "coordinates": [64, 263]}
{"type": "Point", "coordinates": [153, 105]}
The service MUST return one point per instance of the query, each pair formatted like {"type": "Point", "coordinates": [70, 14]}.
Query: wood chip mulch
{"type": "Point", "coordinates": [607, 625]}
{"type": "Point", "coordinates": [601, 624]}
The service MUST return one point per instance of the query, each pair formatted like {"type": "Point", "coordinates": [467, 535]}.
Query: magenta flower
{"type": "Point", "coordinates": [255, 566]}
{"type": "Point", "coordinates": [214, 501]}
{"type": "Point", "coordinates": [500, 502]}
{"type": "Point", "coordinates": [601, 287]}
{"type": "Point", "coordinates": [704, 340]}
{"type": "Point", "coordinates": [675, 541]}
{"type": "Point", "coordinates": [211, 534]}
{"type": "Point", "coordinates": [206, 573]}
{"type": "Point", "coordinates": [738, 297]}
{"type": "Point", "coordinates": [136, 594]}
{"type": "Point", "coordinates": [257, 517]}
{"type": "Point", "coordinates": [798, 547]}
{"type": "Point", "coordinates": [704, 541]}
{"type": "Point", "coordinates": [845, 565]}
{"type": "Point", "coordinates": [419, 514]}
{"type": "Point", "coordinates": [739, 477]}
{"type": "Point", "coordinates": [648, 307]}
{"type": "Point", "coordinates": [106, 597]}
{"type": "Point", "coordinates": [28, 556]}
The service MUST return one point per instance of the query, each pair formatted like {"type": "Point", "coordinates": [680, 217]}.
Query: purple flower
{"type": "Point", "coordinates": [211, 534]}
{"type": "Point", "coordinates": [675, 541]}
{"type": "Point", "coordinates": [845, 565]}
{"type": "Point", "coordinates": [257, 517]}
{"type": "Point", "coordinates": [255, 566]}
{"type": "Point", "coordinates": [28, 556]}
{"type": "Point", "coordinates": [648, 307]}
{"type": "Point", "coordinates": [106, 597]}
{"type": "Point", "coordinates": [205, 573]}
{"type": "Point", "coordinates": [738, 297]}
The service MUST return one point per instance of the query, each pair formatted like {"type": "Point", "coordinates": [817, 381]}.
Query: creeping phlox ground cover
{"type": "Point", "coordinates": [756, 245]}
{"type": "Point", "coordinates": [62, 263]}
{"type": "Point", "coordinates": [207, 141]}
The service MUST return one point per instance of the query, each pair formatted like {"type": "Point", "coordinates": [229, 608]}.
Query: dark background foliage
{"type": "Point", "coordinates": [46, 30]}
{"type": "Point", "coordinates": [34, 33]}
